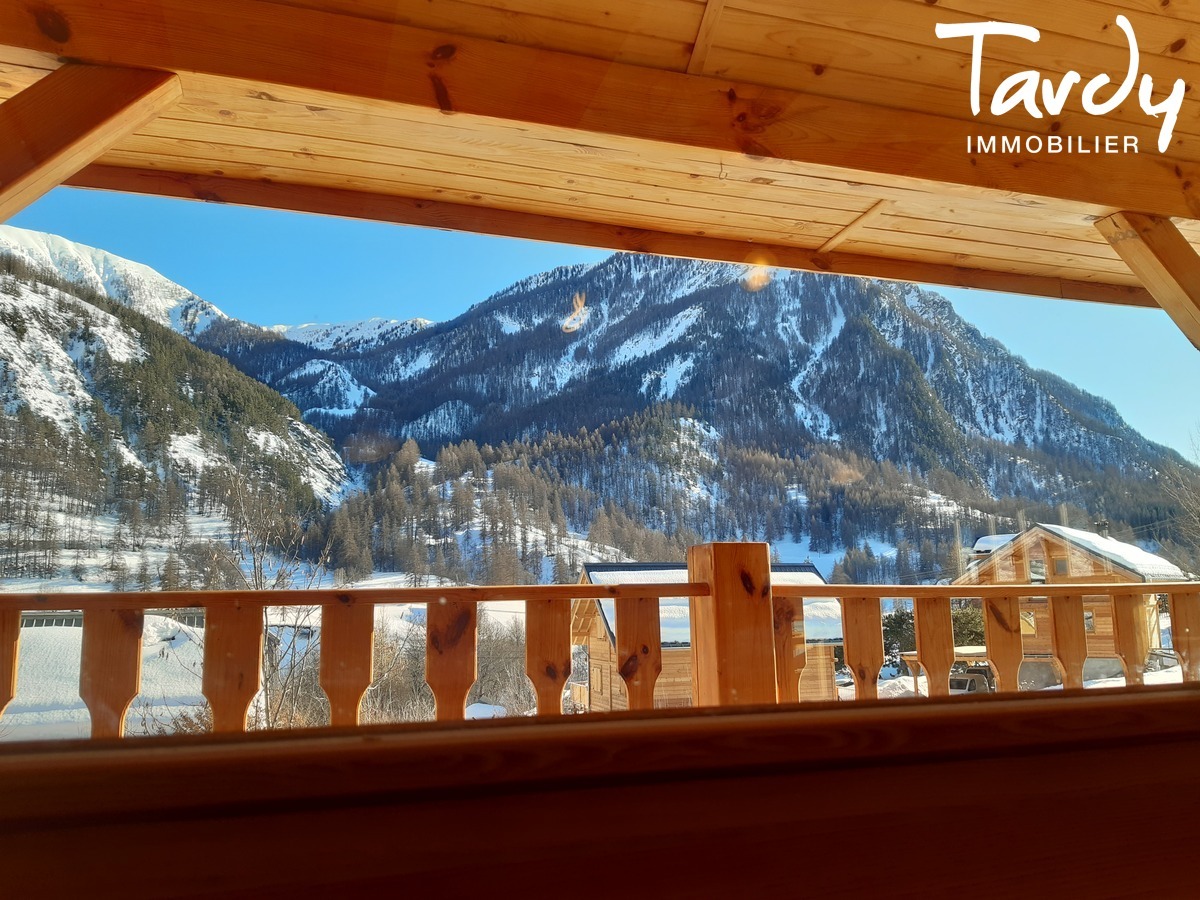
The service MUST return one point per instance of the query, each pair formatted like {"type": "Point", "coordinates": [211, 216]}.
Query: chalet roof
{"type": "Point", "coordinates": [822, 618]}
{"type": "Point", "coordinates": [1133, 559]}
{"type": "Point", "coordinates": [1128, 556]}
{"type": "Point", "coordinates": [799, 134]}
{"type": "Point", "coordinates": [991, 542]}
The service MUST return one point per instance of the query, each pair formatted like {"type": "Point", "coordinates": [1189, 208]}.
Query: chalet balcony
{"type": "Point", "coordinates": [753, 758]}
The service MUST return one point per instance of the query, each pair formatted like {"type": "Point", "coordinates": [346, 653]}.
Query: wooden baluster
{"type": "Point", "coordinates": [1185, 633]}
{"type": "Point", "coordinates": [1131, 635]}
{"type": "Point", "coordinates": [790, 655]}
{"type": "Point", "coordinates": [347, 656]}
{"type": "Point", "coordinates": [548, 651]}
{"type": "Point", "coordinates": [639, 648]}
{"type": "Point", "coordinates": [862, 633]}
{"type": "Point", "coordinates": [1002, 630]}
{"type": "Point", "coordinates": [450, 662]}
{"type": "Point", "coordinates": [233, 646]}
{"type": "Point", "coordinates": [935, 642]}
{"type": "Point", "coordinates": [110, 667]}
{"type": "Point", "coordinates": [733, 649]}
{"type": "Point", "coordinates": [10, 636]}
{"type": "Point", "coordinates": [1070, 639]}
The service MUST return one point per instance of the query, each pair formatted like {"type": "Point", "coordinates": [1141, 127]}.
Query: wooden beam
{"type": "Point", "coordinates": [704, 36]}
{"type": "Point", "coordinates": [1163, 261]}
{"type": "Point", "coordinates": [267, 43]}
{"type": "Point", "coordinates": [510, 223]}
{"type": "Point", "coordinates": [66, 120]}
{"type": "Point", "coordinates": [869, 216]}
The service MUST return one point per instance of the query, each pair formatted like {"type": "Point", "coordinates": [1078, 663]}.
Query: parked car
{"type": "Point", "coordinates": [968, 683]}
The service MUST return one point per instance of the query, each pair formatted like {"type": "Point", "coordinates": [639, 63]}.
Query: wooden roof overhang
{"type": "Point", "coordinates": [796, 132]}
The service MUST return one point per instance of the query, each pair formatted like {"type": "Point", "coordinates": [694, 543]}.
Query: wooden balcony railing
{"type": "Point", "coordinates": [744, 637]}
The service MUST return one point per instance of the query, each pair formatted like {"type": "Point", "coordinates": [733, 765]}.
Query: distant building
{"type": "Point", "coordinates": [592, 626]}
{"type": "Point", "coordinates": [1057, 555]}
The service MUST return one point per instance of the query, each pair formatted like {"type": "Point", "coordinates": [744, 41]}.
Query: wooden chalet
{"type": "Point", "coordinates": [1057, 555]}
{"type": "Point", "coordinates": [839, 138]}
{"type": "Point", "coordinates": [593, 625]}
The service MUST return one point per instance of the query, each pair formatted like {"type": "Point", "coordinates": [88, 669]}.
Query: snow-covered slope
{"type": "Point", "coordinates": [351, 336]}
{"type": "Point", "coordinates": [130, 283]}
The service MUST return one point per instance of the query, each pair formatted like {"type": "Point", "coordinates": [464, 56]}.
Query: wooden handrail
{"type": "Point", "coordinates": [972, 591]}
{"type": "Point", "coordinates": [71, 600]}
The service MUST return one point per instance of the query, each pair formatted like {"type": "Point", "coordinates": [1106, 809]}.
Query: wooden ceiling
{"type": "Point", "coordinates": [804, 133]}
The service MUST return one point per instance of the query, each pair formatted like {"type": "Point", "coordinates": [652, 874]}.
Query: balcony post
{"type": "Point", "coordinates": [733, 653]}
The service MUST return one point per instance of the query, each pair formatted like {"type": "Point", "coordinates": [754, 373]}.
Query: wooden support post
{"type": "Point", "coordinates": [639, 648]}
{"type": "Point", "coordinates": [862, 632]}
{"type": "Point", "coordinates": [233, 645]}
{"type": "Point", "coordinates": [68, 119]}
{"type": "Point", "coordinates": [733, 653]}
{"type": "Point", "coordinates": [10, 637]}
{"type": "Point", "coordinates": [790, 649]}
{"type": "Point", "coordinates": [1070, 639]}
{"type": "Point", "coordinates": [347, 656]}
{"type": "Point", "coordinates": [110, 667]}
{"type": "Point", "coordinates": [935, 642]}
{"type": "Point", "coordinates": [1163, 261]}
{"type": "Point", "coordinates": [1185, 633]}
{"type": "Point", "coordinates": [1131, 635]}
{"type": "Point", "coordinates": [450, 661]}
{"type": "Point", "coordinates": [548, 651]}
{"type": "Point", "coordinates": [1002, 632]}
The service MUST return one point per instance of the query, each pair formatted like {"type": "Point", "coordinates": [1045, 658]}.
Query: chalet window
{"type": "Point", "coordinates": [1060, 567]}
{"type": "Point", "coordinates": [1089, 621]}
{"type": "Point", "coordinates": [1028, 622]}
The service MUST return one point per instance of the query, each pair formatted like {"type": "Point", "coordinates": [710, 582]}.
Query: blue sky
{"type": "Point", "coordinates": [274, 267]}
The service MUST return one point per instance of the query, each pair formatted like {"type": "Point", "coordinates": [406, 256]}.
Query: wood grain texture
{"type": "Point", "coordinates": [450, 655]}
{"type": "Point", "coordinates": [1163, 261]}
{"type": "Point", "coordinates": [360, 794]}
{"type": "Point", "coordinates": [347, 656]}
{"type": "Point", "coordinates": [1185, 631]}
{"type": "Point", "coordinates": [733, 630]}
{"type": "Point", "coordinates": [1002, 632]}
{"type": "Point", "coordinates": [935, 642]}
{"type": "Point", "coordinates": [513, 223]}
{"type": "Point", "coordinates": [862, 631]}
{"type": "Point", "coordinates": [64, 121]}
{"type": "Point", "coordinates": [110, 667]}
{"type": "Point", "coordinates": [548, 651]}
{"type": "Point", "coordinates": [233, 649]}
{"type": "Point", "coordinates": [639, 649]}
{"type": "Point", "coordinates": [1070, 638]}
{"type": "Point", "coordinates": [790, 649]}
{"type": "Point", "coordinates": [465, 76]}
{"type": "Point", "coordinates": [10, 639]}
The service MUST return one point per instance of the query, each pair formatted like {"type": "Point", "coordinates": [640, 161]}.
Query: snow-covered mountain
{"type": "Point", "coordinates": [886, 370]}
{"type": "Point", "coordinates": [343, 337]}
{"type": "Point", "coordinates": [131, 284]}
{"type": "Point", "coordinates": [89, 349]}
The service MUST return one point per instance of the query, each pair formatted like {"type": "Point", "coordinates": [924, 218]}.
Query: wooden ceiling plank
{"type": "Point", "coordinates": [1086, 244]}
{"type": "Point", "coordinates": [990, 253]}
{"type": "Point", "coordinates": [704, 36]}
{"type": "Point", "coordinates": [1163, 261]}
{"type": "Point", "coordinates": [463, 217]}
{"type": "Point", "coordinates": [68, 119]}
{"type": "Point", "coordinates": [885, 246]}
{"type": "Point", "coordinates": [524, 162]}
{"type": "Point", "coordinates": [870, 215]}
{"type": "Point", "coordinates": [251, 39]}
{"type": "Point", "coordinates": [523, 189]}
{"type": "Point", "coordinates": [483, 192]}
